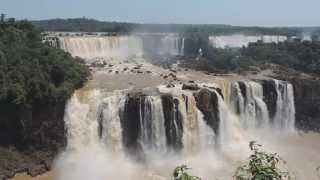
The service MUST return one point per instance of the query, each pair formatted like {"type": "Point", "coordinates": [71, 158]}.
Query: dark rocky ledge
{"type": "Point", "coordinates": [30, 137]}
{"type": "Point", "coordinates": [207, 102]}
{"type": "Point", "coordinates": [307, 102]}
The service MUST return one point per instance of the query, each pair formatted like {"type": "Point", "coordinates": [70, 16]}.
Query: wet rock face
{"type": "Point", "coordinates": [130, 121]}
{"type": "Point", "coordinates": [307, 103]}
{"type": "Point", "coordinates": [37, 127]}
{"type": "Point", "coordinates": [36, 132]}
{"type": "Point", "coordinates": [207, 102]}
{"type": "Point", "coordinates": [243, 90]}
{"type": "Point", "coordinates": [270, 96]}
{"type": "Point", "coordinates": [190, 86]}
{"type": "Point", "coordinates": [173, 121]}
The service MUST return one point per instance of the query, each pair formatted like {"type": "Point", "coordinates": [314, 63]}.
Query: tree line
{"type": "Point", "coordinates": [92, 25]}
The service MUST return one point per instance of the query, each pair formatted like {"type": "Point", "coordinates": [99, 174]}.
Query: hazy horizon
{"type": "Point", "coordinates": [287, 13]}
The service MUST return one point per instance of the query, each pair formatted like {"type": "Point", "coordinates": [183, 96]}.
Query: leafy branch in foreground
{"type": "Point", "coordinates": [180, 173]}
{"type": "Point", "coordinates": [261, 166]}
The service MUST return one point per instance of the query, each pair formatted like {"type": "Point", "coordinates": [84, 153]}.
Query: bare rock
{"type": "Point", "coordinates": [192, 87]}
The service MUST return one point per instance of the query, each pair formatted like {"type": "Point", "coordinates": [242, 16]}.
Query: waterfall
{"type": "Point", "coordinates": [163, 44]}
{"type": "Point", "coordinates": [121, 48]}
{"type": "Point", "coordinates": [110, 130]}
{"type": "Point", "coordinates": [182, 47]}
{"type": "Point", "coordinates": [80, 120]}
{"type": "Point", "coordinates": [169, 45]}
{"type": "Point", "coordinates": [239, 40]}
{"type": "Point", "coordinates": [152, 130]}
{"type": "Point", "coordinates": [197, 135]}
{"type": "Point", "coordinates": [177, 119]}
{"type": "Point", "coordinates": [247, 100]}
{"type": "Point", "coordinates": [107, 47]}
{"type": "Point", "coordinates": [229, 128]}
{"type": "Point", "coordinates": [285, 112]}
{"type": "Point", "coordinates": [214, 123]}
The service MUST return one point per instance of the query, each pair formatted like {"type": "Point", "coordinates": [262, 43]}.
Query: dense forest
{"type": "Point", "coordinates": [33, 76]}
{"type": "Point", "coordinates": [32, 71]}
{"type": "Point", "coordinates": [295, 54]}
{"type": "Point", "coordinates": [91, 25]}
{"type": "Point", "coordinates": [303, 56]}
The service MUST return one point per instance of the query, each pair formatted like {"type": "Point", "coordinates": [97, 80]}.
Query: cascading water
{"type": "Point", "coordinates": [170, 45]}
{"type": "Point", "coordinates": [152, 130]}
{"type": "Point", "coordinates": [107, 47]}
{"type": "Point", "coordinates": [163, 44]}
{"type": "Point", "coordinates": [182, 47]}
{"type": "Point", "coordinates": [285, 113]}
{"type": "Point", "coordinates": [239, 40]}
{"type": "Point", "coordinates": [229, 130]}
{"type": "Point", "coordinates": [197, 135]}
{"type": "Point", "coordinates": [185, 122]}
{"type": "Point", "coordinates": [80, 120]}
{"type": "Point", "coordinates": [121, 48]}
{"type": "Point", "coordinates": [247, 99]}
{"type": "Point", "coordinates": [110, 130]}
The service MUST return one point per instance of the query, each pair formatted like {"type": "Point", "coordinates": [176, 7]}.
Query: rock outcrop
{"type": "Point", "coordinates": [190, 86]}
{"type": "Point", "coordinates": [130, 122]}
{"type": "Point", "coordinates": [207, 102]}
{"type": "Point", "coordinates": [30, 137]}
{"type": "Point", "coordinates": [307, 103]}
{"type": "Point", "coordinates": [269, 96]}
{"type": "Point", "coordinates": [173, 121]}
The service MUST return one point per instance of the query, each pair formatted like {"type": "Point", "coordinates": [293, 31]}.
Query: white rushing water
{"type": "Point", "coordinates": [285, 114]}
{"type": "Point", "coordinates": [170, 45]}
{"type": "Point", "coordinates": [252, 109]}
{"type": "Point", "coordinates": [110, 126]}
{"type": "Point", "coordinates": [152, 128]}
{"type": "Point", "coordinates": [239, 40]}
{"type": "Point", "coordinates": [107, 47]}
{"type": "Point", "coordinates": [96, 131]}
{"type": "Point", "coordinates": [121, 48]}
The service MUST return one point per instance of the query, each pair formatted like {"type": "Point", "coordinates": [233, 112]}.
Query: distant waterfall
{"type": "Point", "coordinates": [122, 48]}
{"type": "Point", "coordinates": [239, 40]}
{"type": "Point", "coordinates": [163, 44]}
{"type": "Point", "coordinates": [107, 47]}
{"type": "Point", "coordinates": [182, 47]}
{"type": "Point", "coordinates": [170, 45]}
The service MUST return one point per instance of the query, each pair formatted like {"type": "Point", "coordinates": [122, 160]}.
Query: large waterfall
{"type": "Point", "coordinates": [131, 129]}
{"type": "Point", "coordinates": [108, 47]}
{"type": "Point", "coordinates": [121, 48]}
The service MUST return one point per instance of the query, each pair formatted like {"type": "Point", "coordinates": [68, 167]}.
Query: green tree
{"type": "Point", "coordinates": [180, 173]}
{"type": "Point", "coordinates": [261, 166]}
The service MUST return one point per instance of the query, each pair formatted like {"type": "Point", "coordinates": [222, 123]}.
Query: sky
{"type": "Point", "coordinates": [233, 12]}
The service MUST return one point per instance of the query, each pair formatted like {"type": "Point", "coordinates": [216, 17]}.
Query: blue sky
{"type": "Point", "coordinates": [234, 12]}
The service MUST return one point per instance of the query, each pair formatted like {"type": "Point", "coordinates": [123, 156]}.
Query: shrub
{"type": "Point", "coordinates": [180, 173]}
{"type": "Point", "coordinates": [261, 166]}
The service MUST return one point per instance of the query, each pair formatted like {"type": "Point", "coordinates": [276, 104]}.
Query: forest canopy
{"type": "Point", "coordinates": [31, 71]}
